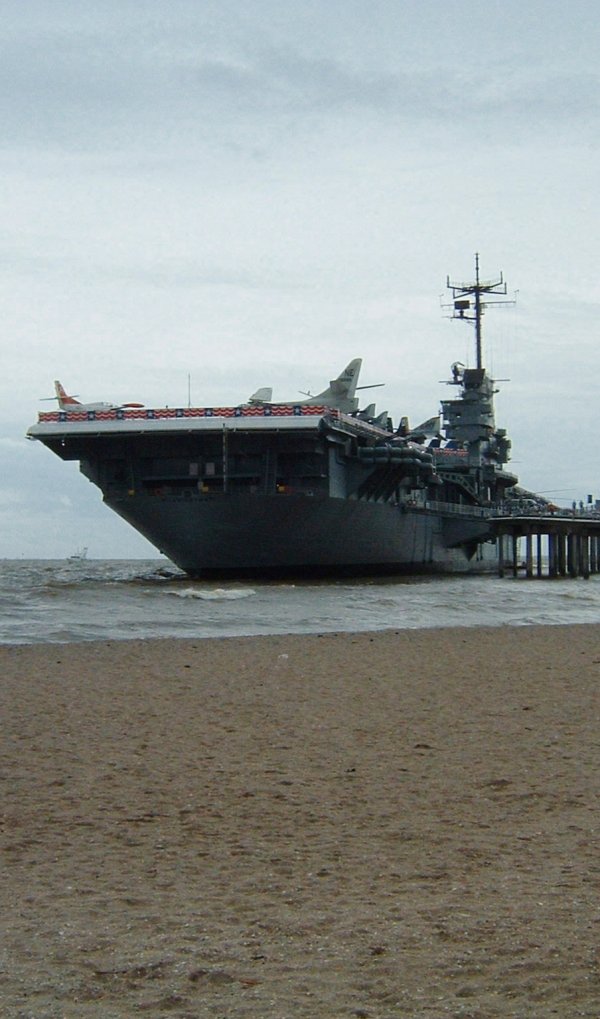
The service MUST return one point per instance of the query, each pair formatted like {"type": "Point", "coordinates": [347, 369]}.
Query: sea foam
{"type": "Point", "coordinates": [216, 594]}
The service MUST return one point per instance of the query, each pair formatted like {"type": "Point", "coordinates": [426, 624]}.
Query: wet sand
{"type": "Point", "coordinates": [375, 825]}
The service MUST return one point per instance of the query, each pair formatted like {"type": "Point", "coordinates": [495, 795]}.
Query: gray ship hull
{"type": "Point", "coordinates": [263, 534]}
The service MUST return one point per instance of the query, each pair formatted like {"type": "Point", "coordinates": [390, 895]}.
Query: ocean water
{"type": "Point", "coordinates": [63, 600]}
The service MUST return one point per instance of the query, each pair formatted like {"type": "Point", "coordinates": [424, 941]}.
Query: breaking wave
{"type": "Point", "coordinates": [216, 594]}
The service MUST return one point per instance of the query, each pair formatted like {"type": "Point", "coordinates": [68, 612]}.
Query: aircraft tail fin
{"type": "Point", "coordinates": [262, 395]}
{"type": "Point", "coordinates": [64, 400]}
{"type": "Point", "coordinates": [429, 429]}
{"type": "Point", "coordinates": [340, 392]}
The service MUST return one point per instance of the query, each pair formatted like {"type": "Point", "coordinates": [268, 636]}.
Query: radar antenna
{"type": "Point", "coordinates": [472, 311]}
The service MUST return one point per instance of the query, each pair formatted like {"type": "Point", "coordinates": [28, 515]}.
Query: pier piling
{"type": "Point", "coordinates": [572, 545]}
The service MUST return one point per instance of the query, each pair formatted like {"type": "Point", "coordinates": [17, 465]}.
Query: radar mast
{"type": "Point", "coordinates": [472, 310]}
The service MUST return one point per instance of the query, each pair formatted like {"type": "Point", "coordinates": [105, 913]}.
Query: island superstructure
{"type": "Point", "coordinates": [309, 486]}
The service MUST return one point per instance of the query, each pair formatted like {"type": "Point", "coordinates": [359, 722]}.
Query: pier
{"type": "Point", "coordinates": [554, 545]}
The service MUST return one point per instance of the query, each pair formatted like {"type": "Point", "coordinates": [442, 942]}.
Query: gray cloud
{"type": "Point", "coordinates": [82, 89]}
{"type": "Point", "coordinates": [162, 273]}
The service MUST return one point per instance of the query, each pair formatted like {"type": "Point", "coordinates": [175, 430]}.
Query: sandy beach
{"type": "Point", "coordinates": [373, 825]}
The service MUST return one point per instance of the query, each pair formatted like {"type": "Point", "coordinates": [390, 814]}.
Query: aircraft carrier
{"type": "Point", "coordinates": [304, 487]}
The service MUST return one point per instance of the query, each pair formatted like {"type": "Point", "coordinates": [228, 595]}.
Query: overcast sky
{"type": "Point", "coordinates": [251, 193]}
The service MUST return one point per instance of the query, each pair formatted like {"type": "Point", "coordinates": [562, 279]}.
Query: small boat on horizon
{"type": "Point", "coordinates": [81, 553]}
